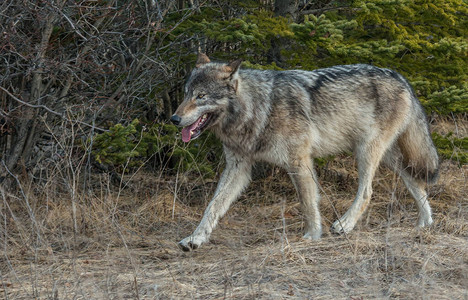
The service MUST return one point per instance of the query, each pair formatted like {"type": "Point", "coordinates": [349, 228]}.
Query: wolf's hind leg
{"type": "Point", "coordinates": [393, 160]}
{"type": "Point", "coordinates": [303, 176]}
{"type": "Point", "coordinates": [368, 158]}
{"type": "Point", "coordinates": [416, 189]}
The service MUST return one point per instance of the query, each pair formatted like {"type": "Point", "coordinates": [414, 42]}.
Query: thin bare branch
{"type": "Point", "coordinates": [52, 111]}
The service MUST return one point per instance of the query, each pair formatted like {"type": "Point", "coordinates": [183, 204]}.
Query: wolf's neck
{"type": "Point", "coordinates": [245, 117]}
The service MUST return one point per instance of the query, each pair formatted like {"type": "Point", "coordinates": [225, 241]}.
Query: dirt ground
{"type": "Point", "coordinates": [123, 244]}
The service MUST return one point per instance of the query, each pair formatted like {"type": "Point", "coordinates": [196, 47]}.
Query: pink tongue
{"type": "Point", "coordinates": [186, 131]}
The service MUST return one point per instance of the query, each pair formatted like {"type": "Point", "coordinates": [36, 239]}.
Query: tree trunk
{"type": "Point", "coordinates": [26, 126]}
{"type": "Point", "coordinates": [167, 105]}
{"type": "Point", "coordinates": [287, 9]}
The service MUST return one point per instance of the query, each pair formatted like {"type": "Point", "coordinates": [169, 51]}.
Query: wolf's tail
{"type": "Point", "coordinates": [420, 157]}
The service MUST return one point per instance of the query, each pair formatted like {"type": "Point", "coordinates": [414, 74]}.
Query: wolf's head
{"type": "Point", "coordinates": [208, 92]}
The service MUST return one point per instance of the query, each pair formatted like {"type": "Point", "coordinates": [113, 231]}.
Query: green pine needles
{"type": "Point", "coordinates": [126, 148]}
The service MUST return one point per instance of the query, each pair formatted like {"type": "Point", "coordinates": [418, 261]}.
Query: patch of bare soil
{"type": "Point", "coordinates": [122, 244]}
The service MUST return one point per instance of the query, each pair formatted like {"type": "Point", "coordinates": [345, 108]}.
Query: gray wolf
{"type": "Point", "coordinates": [289, 117]}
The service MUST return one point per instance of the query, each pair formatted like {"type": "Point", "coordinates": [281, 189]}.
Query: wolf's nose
{"type": "Point", "coordinates": [175, 119]}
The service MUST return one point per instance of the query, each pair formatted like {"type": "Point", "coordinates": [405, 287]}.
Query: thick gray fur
{"type": "Point", "coordinates": [289, 117]}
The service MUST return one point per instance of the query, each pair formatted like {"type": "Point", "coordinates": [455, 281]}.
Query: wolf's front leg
{"type": "Point", "coordinates": [234, 179]}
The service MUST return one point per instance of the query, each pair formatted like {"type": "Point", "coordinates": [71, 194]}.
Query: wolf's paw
{"type": "Point", "coordinates": [343, 225]}
{"type": "Point", "coordinates": [191, 243]}
{"type": "Point", "coordinates": [311, 236]}
{"type": "Point", "coordinates": [425, 220]}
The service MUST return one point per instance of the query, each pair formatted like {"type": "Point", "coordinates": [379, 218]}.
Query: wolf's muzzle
{"type": "Point", "coordinates": [175, 119]}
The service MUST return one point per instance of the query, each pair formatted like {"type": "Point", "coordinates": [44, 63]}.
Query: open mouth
{"type": "Point", "coordinates": [193, 131]}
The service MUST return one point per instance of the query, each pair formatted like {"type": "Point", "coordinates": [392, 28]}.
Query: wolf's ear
{"type": "Point", "coordinates": [232, 69]}
{"type": "Point", "coordinates": [233, 66]}
{"type": "Point", "coordinates": [202, 59]}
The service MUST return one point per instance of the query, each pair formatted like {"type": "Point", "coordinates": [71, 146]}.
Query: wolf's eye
{"type": "Point", "coordinates": [200, 96]}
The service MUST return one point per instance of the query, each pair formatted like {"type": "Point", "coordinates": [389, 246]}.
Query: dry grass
{"type": "Point", "coordinates": [120, 243]}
